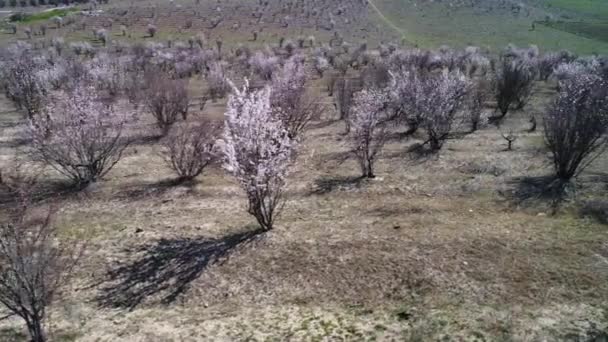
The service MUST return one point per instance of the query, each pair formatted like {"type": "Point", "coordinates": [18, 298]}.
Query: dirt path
{"type": "Point", "coordinates": [388, 21]}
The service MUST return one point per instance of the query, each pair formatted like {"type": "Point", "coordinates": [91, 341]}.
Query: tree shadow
{"type": "Point", "coordinates": [42, 192]}
{"type": "Point", "coordinates": [139, 191]}
{"type": "Point", "coordinates": [328, 184]}
{"type": "Point", "coordinates": [166, 268]}
{"type": "Point", "coordinates": [14, 143]}
{"type": "Point", "coordinates": [547, 189]}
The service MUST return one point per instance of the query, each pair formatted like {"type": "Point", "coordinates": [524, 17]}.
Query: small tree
{"type": "Point", "coordinates": [575, 124]}
{"type": "Point", "coordinates": [368, 125]}
{"type": "Point", "coordinates": [345, 90]}
{"type": "Point", "coordinates": [217, 82]}
{"type": "Point", "coordinates": [289, 100]}
{"type": "Point", "coordinates": [477, 96]}
{"type": "Point", "coordinates": [444, 96]}
{"type": "Point", "coordinates": [258, 152]}
{"type": "Point", "coordinates": [34, 264]}
{"type": "Point", "coordinates": [514, 80]}
{"type": "Point", "coordinates": [24, 86]}
{"type": "Point", "coordinates": [78, 136]}
{"type": "Point", "coordinates": [151, 30]}
{"type": "Point", "coordinates": [190, 148]}
{"type": "Point", "coordinates": [166, 100]}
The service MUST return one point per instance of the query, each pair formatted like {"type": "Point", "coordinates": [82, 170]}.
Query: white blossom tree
{"type": "Point", "coordinates": [368, 127]}
{"type": "Point", "coordinates": [258, 151]}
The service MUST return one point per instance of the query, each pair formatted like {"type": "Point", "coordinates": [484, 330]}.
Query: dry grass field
{"type": "Point", "coordinates": [439, 248]}
{"type": "Point", "coordinates": [461, 245]}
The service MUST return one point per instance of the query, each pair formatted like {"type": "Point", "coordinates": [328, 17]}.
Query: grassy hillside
{"type": "Point", "coordinates": [581, 27]}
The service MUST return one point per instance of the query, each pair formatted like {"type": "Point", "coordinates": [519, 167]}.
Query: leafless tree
{"type": "Point", "coordinates": [166, 100]}
{"type": "Point", "coordinates": [575, 124]}
{"type": "Point", "coordinates": [477, 96]}
{"type": "Point", "coordinates": [514, 80]}
{"type": "Point", "coordinates": [190, 148]}
{"type": "Point", "coordinates": [510, 138]}
{"type": "Point", "coordinates": [345, 88]}
{"type": "Point", "coordinates": [34, 264]}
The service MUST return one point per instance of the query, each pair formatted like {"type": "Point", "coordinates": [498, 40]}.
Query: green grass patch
{"type": "Point", "coordinates": [46, 15]}
{"type": "Point", "coordinates": [598, 31]}
{"type": "Point", "coordinates": [594, 8]}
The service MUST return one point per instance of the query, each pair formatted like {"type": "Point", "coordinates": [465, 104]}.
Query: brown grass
{"type": "Point", "coordinates": [433, 247]}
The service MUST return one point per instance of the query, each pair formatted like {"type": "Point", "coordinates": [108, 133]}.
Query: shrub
{"type": "Point", "coordinates": [258, 152]}
{"type": "Point", "coordinates": [189, 148]}
{"type": "Point", "coordinates": [575, 124]}
{"type": "Point", "coordinates": [166, 100]}
{"type": "Point", "coordinates": [78, 136]}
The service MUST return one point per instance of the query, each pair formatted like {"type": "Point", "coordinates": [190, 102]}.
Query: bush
{"type": "Point", "coordinates": [575, 124]}
{"type": "Point", "coordinates": [78, 136]}
{"type": "Point", "coordinates": [189, 148]}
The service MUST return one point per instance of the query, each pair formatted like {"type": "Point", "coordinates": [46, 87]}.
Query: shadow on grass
{"type": "Point", "coordinates": [541, 189]}
{"type": "Point", "coordinates": [327, 185]}
{"type": "Point", "coordinates": [143, 190]}
{"type": "Point", "coordinates": [14, 143]}
{"type": "Point", "coordinates": [11, 334]}
{"type": "Point", "coordinates": [42, 192]}
{"type": "Point", "coordinates": [166, 268]}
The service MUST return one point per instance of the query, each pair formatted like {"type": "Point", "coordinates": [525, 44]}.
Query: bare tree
{"type": "Point", "coordinates": [514, 80]}
{"type": "Point", "coordinates": [575, 124]}
{"type": "Point", "coordinates": [510, 138]}
{"type": "Point", "coordinates": [166, 100]}
{"type": "Point", "coordinates": [78, 136]}
{"type": "Point", "coordinates": [34, 264]}
{"type": "Point", "coordinates": [190, 148]}
{"type": "Point", "coordinates": [345, 89]}
{"type": "Point", "coordinates": [368, 124]}
{"type": "Point", "coordinates": [258, 152]}
{"type": "Point", "coordinates": [216, 81]}
{"type": "Point", "coordinates": [477, 96]}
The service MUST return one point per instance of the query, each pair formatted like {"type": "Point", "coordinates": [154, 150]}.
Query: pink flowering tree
{"type": "Point", "coordinates": [258, 151]}
{"type": "Point", "coordinates": [368, 127]}
{"type": "Point", "coordinates": [78, 136]}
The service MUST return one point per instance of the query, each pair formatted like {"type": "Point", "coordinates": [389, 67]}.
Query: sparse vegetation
{"type": "Point", "coordinates": [382, 206]}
